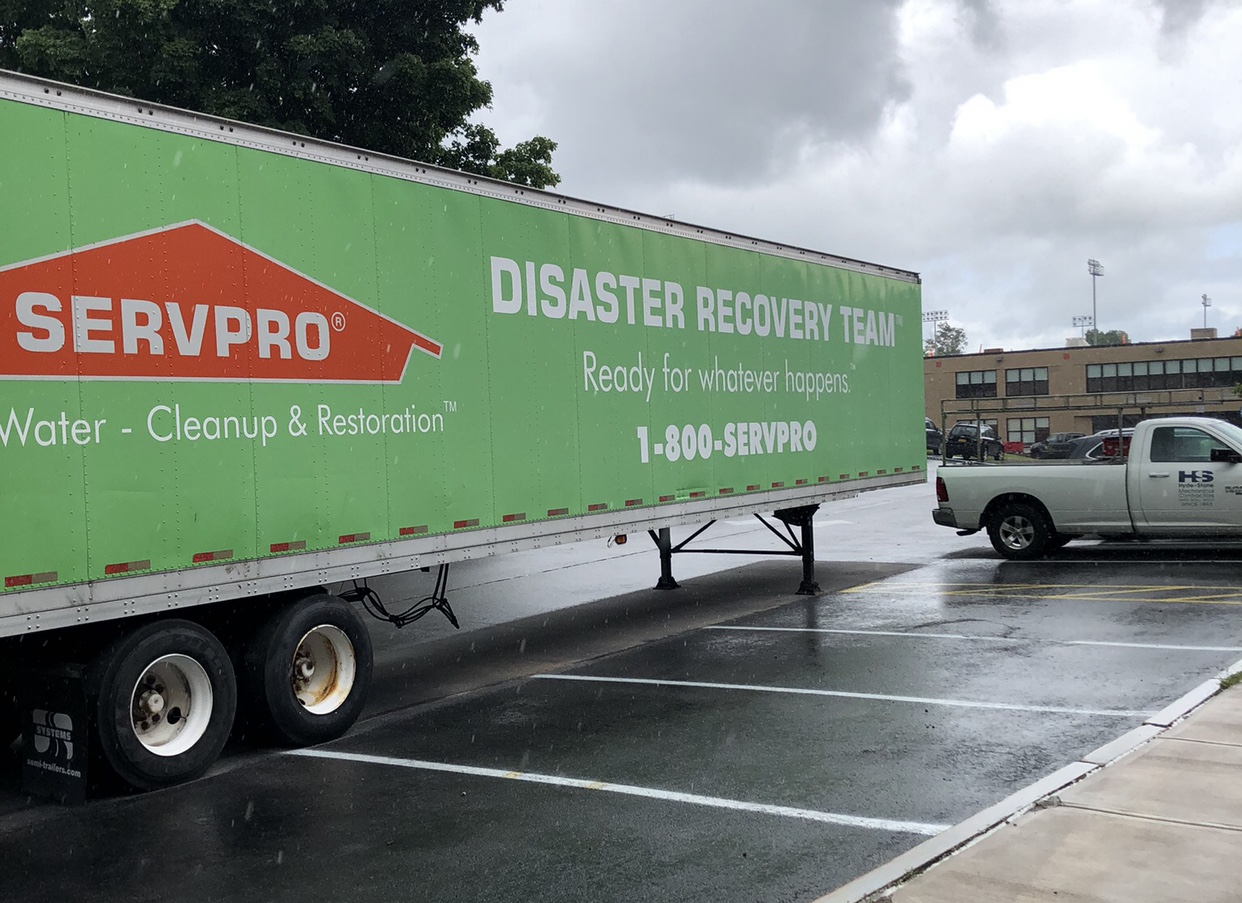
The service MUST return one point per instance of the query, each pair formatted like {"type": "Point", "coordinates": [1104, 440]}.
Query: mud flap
{"type": "Point", "coordinates": [55, 733]}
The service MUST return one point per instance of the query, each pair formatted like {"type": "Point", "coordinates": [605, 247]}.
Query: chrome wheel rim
{"type": "Point", "coordinates": [1016, 532]}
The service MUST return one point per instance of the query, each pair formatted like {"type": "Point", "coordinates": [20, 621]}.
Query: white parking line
{"type": "Point", "coordinates": [900, 633]}
{"type": "Point", "coordinates": [1156, 646]}
{"type": "Point", "coordinates": [878, 697]}
{"type": "Point", "coordinates": [905, 634]}
{"type": "Point", "coordinates": [831, 818]}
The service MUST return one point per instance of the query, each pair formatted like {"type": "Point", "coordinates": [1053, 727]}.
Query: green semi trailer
{"type": "Point", "coordinates": [240, 368]}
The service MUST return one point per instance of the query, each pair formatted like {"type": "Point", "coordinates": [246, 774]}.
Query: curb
{"type": "Point", "coordinates": [879, 882]}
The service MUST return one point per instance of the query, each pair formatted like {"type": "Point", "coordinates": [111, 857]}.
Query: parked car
{"type": "Point", "coordinates": [1055, 446]}
{"type": "Point", "coordinates": [973, 440]}
{"type": "Point", "coordinates": [1086, 448]}
{"type": "Point", "coordinates": [1100, 446]}
{"type": "Point", "coordinates": [935, 438]}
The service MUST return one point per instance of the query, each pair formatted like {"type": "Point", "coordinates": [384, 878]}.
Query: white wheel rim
{"type": "Point", "coordinates": [171, 705]}
{"type": "Point", "coordinates": [323, 669]}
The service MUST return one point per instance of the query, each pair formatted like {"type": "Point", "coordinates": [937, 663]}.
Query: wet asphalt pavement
{"type": "Point", "coordinates": [729, 741]}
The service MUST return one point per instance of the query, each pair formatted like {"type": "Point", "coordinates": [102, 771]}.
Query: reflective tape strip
{"type": "Point", "coordinates": [221, 555]}
{"type": "Point", "coordinates": [799, 482]}
{"type": "Point", "coordinates": [727, 490]}
{"type": "Point", "coordinates": [128, 567]}
{"type": "Point", "coordinates": [778, 485]}
{"type": "Point", "coordinates": [753, 487]}
{"type": "Point", "coordinates": [698, 494]}
{"type": "Point", "coordinates": [843, 476]}
{"type": "Point", "coordinates": [31, 579]}
{"type": "Point", "coordinates": [598, 506]}
{"type": "Point", "coordinates": [352, 537]}
{"type": "Point", "coordinates": [630, 503]}
{"type": "Point", "coordinates": [823, 479]}
{"type": "Point", "coordinates": [462, 524]}
{"type": "Point", "coordinates": [412, 531]}
{"type": "Point", "coordinates": [557, 512]}
{"type": "Point", "coordinates": [510, 518]}
{"type": "Point", "coordinates": [297, 545]}
{"type": "Point", "coordinates": [863, 473]}
{"type": "Point", "coordinates": [668, 498]}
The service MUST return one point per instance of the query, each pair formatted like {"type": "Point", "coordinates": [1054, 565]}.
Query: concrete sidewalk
{"type": "Point", "coordinates": [1162, 823]}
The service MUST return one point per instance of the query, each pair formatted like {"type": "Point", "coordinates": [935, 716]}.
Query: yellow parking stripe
{"type": "Point", "coordinates": [1078, 592]}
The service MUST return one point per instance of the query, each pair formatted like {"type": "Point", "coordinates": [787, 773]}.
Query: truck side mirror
{"type": "Point", "coordinates": [1225, 456]}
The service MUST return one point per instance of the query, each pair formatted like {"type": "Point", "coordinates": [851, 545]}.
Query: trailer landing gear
{"type": "Point", "coordinates": [802, 517]}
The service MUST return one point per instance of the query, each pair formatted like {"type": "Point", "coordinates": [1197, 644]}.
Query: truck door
{"type": "Point", "coordinates": [1181, 490]}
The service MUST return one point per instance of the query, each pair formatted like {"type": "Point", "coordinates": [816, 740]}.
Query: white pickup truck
{"type": "Point", "coordinates": [1182, 479]}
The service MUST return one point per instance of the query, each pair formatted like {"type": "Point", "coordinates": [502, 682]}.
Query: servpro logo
{"type": "Point", "coordinates": [188, 302]}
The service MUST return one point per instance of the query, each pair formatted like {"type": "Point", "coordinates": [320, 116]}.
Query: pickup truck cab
{"type": "Point", "coordinates": [1182, 478]}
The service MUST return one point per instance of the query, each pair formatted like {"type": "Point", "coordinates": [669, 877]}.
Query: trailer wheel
{"type": "Point", "coordinates": [162, 701]}
{"type": "Point", "coordinates": [307, 670]}
{"type": "Point", "coordinates": [1020, 531]}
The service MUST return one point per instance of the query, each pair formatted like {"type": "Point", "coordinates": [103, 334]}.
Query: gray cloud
{"type": "Point", "coordinates": [1179, 16]}
{"type": "Point", "coordinates": [724, 92]}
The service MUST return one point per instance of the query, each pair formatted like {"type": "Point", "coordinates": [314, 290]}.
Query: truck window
{"type": "Point", "coordinates": [1182, 444]}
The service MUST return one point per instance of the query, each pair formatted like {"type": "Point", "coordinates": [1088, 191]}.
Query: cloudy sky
{"type": "Point", "coordinates": [991, 145]}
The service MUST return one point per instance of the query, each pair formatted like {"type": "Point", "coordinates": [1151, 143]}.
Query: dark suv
{"type": "Point", "coordinates": [965, 441]}
{"type": "Point", "coordinates": [934, 437]}
{"type": "Point", "coordinates": [1055, 446]}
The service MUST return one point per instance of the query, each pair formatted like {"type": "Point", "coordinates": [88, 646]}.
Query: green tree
{"type": "Point", "coordinates": [393, 76]}
{"type": "Point", "coordinates": [946, 340]}
{"type": "Point", "coordinates": [1112, 337]}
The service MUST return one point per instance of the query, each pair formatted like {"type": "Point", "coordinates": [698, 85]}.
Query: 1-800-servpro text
{"type": "Point", "coordinates": [738, 439]}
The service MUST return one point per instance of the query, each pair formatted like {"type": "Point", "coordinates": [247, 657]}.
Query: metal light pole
{"type": "Point", "coordinates": [1084, 321]}
{"type": "Point", "coordinates": [1095, 268]}
{"type": "Point", "coordinates": [935, 317]}
{"type": "Point", "coordinates": [1206, 302]}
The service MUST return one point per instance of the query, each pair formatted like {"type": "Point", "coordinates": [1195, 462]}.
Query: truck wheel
{"type": "Point", "coordinates": [1019, 531]}
{"type": "Point", "coordinates": [307, 670]}
{"type": "Point", "coordinates": [162, 700]}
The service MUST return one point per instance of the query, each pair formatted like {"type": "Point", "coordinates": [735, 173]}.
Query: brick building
{"type": "Point", "coordinates": [1026, 395]}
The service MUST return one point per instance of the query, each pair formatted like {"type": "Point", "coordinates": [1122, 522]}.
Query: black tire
{"type": "Point", "coordinates": [10, 716]}
{"type": "Point", "coordinates": [998, 453]}
{"type": "Point", "coordinates": [327, 632]}
{"type": "Point", "coordinates": [184, 728]}
{"type": "Point", "coordinates": [1019, 531]}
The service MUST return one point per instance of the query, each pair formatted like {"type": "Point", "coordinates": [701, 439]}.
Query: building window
{"type": "Point", "coordinates": [1027, 381]}
{"type": "Point", "coordinates": [1026, 430]}
{"type": "Point", "coordinates": [976, 384]}
{"type": "Point", "coordinates": [1194, 373]}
